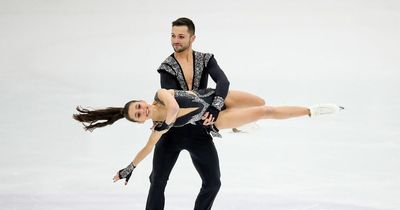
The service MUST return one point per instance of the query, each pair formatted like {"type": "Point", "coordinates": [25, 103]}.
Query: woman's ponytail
{"type": "Point", "coordinates": [92, 119]}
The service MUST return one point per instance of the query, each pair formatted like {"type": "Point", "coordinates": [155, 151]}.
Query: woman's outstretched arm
{"type": "Point", "coordinates": [142, 154]}
{"type": "Point", "coordinates": [153, 139]}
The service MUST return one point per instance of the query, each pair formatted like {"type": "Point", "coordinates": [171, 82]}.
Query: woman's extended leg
{"type": "Point", "coordinates": [238, 99]}
{"type": "Point", "coordinates": [235, 117]}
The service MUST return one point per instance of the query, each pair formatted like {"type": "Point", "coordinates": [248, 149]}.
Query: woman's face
{"type": "Point", "coordinates": [139, 111]}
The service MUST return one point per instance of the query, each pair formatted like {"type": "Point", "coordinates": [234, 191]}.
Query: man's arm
{"type": "Point", "coordinates": [219, 77]}
{"type": "Point", "coordinates": [221, 91]}
{"type": "Point", "coordinates": [168, 81]}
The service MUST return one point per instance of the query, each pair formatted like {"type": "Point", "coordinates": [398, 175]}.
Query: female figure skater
{"type": "Point", "coordinates": [175, 108]}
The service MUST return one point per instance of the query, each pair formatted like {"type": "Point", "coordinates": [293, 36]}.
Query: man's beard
{"type": "Point", "coordinates": [180, 49]}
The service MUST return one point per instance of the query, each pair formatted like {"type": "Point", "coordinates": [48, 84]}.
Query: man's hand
{"type": "Point", "coordinates": [210, 116]}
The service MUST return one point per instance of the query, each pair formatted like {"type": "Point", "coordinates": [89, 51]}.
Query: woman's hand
{"type": "Point", "coordinates": [163, 126]}
{"type": "Point", "coordinates": [116, 177]}
{"type": "Point", "coordinates": [125, 173]}
{"type": "Point", "coordinates": [157, 128]}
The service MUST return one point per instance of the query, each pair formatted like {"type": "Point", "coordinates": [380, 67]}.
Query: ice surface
{"type": "Point", "coordinates": [55, 55]}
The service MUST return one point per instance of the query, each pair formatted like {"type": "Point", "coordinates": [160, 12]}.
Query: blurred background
{"type": "Point", "coordinates": [56, 55]}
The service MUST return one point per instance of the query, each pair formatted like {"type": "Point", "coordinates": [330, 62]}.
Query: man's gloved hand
{"type": "Point", "coordinates": [213, 111]}
{"type": "Point", "coordinates": [210, 115]}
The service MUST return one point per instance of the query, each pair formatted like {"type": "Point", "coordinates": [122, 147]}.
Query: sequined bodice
{"type": "Point", "coordinates": [199, 100]}
{"type": "Point", "coordinates": [194, 99]}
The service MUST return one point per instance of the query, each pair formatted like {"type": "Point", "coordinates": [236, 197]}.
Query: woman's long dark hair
{"type": "Point", "coordinates": [96, 118]}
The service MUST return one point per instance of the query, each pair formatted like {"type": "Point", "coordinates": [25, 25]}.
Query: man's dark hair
{"type": "Point", "coordinates": [185, 22]}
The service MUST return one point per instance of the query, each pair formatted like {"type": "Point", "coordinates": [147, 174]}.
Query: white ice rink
{"type": "Point", "coordinates": [57, 54]}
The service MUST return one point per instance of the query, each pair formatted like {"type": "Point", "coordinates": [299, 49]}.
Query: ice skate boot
{"type": "Point", "coordinates": [324, 109]}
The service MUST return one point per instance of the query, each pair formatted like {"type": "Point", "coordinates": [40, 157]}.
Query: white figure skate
{"type": "Point", "coordinates": [324, 109]}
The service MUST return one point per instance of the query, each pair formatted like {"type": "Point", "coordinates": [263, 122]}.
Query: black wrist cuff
{"type": "Point", "coordinates": [218, 102]}
{"type": "Point", "coordinates": [123, 173]}
{"type": "Point", "coordinates": [163, 126]}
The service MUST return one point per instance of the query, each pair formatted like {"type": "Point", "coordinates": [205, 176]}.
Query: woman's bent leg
{"type": "Point", "coordinates": [238, 99]}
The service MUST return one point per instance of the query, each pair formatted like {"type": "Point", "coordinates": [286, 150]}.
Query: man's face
{"type": "Point", "coordinates": [181, 40]}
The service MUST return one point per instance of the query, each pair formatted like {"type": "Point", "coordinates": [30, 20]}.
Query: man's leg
{"type": "Point", "coordinates": [165, 155]}
{"type": "Point", "coordinates": [205, 158]}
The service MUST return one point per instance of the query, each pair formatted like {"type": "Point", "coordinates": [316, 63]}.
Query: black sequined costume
{"type": "Point", "coordinates": [193, 138]}
{"type": "Point", "coordinates": [200, 100]}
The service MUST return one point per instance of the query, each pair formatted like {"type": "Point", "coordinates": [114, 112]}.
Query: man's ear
{"type": "Point", "coordinates": [192, 38]}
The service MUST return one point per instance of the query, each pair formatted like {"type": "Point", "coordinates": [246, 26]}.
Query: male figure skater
{"type": "Point", "coordinates": [187, 69]}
